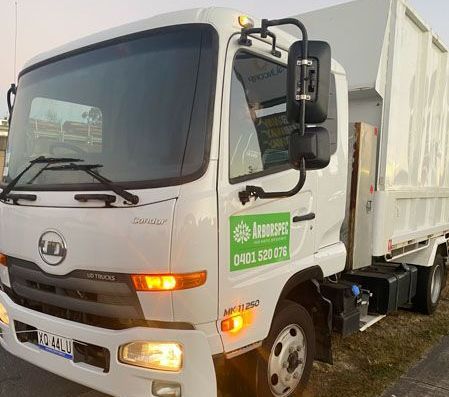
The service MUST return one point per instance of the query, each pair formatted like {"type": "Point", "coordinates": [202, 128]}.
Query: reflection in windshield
{"type": "Point", "coordinates": [54, 123]}
{"type": "Point", "coordinates": [139, 107]}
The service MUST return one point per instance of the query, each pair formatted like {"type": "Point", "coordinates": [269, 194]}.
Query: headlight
{"type": "Point", "coordinates": [153, 355]}
{"type": "Point", "coordinates": [4, 318]}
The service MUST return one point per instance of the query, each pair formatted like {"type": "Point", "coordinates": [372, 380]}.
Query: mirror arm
{"type": "Point", "coordinates": [244, 40]}
{"type": "Point", "coordinates": [274, 52]}
{"type": "Point", "coordinates": [258, 192]}
{"type": "Point", "coordinates": [304, 64]}
{"type": "Point", "coordinates": [12, 91]}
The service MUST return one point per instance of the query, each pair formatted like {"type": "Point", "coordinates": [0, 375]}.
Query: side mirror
{"type": "Point", "coordinates": [314, 146]}
{"type": "Point", "coordinates": [318, 82]}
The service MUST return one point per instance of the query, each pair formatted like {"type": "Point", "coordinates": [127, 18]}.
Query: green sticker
{"type": "Point", "coordinates": [259, 240]}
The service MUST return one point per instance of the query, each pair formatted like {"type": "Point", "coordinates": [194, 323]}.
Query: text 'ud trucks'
{"type": "Point", "coordinates": [198, 200]}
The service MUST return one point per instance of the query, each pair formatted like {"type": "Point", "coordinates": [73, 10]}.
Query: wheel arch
{"type": "Point", "coordinates": [304, 288]}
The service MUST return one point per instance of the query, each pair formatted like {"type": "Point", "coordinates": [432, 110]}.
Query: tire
{"type": "Point", "coordinates": [284, 362]}
{"type": "Point", "coordinates": [431, 282]}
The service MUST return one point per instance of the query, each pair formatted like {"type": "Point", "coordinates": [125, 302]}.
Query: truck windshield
{"type": "Point", "coordinates": [140, 106]}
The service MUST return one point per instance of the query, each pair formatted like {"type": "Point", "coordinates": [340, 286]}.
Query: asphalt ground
{"type": "Point", "coordinates": [20, 379]}
{"type": "Point", "coordinates": [428, 378]}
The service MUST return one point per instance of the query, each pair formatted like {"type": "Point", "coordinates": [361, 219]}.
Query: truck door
{"type": "Point", "coordinates": [261, 245]}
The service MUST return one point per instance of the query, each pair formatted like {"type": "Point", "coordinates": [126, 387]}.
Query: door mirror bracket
{"type": "Point", "coordinates": [300, 93]}
{"type": "Point", "coordinates": [258, 192]}
{"type": "Point", "coordinates": [308, 87]}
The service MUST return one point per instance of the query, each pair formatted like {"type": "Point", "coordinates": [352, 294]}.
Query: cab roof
{"type": "Point", "coordinates": [224, 20]}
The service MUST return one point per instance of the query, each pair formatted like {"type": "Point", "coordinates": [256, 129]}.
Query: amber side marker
{"type": "Point", "coordinates": [233, 324]}
{"type": "Point", "coordinates": [168, 282]}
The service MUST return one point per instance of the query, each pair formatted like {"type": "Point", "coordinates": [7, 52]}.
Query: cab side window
{"type": "Point", "coordinates": [259, 129]}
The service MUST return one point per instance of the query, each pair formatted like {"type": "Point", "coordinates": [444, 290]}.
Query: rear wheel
{"type": "Point", "coordinates": [431, 282]}
{"type": "Point", "coordinates": [286, 356]}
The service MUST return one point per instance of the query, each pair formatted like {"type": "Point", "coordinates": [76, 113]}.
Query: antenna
{"type": "Point", "coordinates": [15, 40]}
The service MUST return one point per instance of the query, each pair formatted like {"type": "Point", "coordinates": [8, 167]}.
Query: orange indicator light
{"type": "Point", "coordinates": [233, 324]}
{"type": "Point", "coordinates": [168, 282]}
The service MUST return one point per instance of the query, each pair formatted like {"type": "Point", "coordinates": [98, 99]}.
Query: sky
{"type": "Point", "coordinates": [45, 24]}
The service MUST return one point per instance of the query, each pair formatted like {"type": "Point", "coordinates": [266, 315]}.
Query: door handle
{"type": "Point", "coordinates": [303, 218]}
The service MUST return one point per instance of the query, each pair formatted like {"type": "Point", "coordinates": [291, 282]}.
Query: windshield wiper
{"type": "Point", "coordinates": [90, 170]}
{"type": "Point", "coordinates": [108, 199]}
{"type": "Point", "coordinates": [40, 160]}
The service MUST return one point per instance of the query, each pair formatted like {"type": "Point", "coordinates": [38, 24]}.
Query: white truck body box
{"type": "Point", "coordinates": [397, 72]}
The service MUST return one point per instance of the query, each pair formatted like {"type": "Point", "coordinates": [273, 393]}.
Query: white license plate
{"type": "Point", "coordinates": [55, 344]}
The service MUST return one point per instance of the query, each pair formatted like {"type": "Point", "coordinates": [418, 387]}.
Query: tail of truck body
{"type": "Point", "coordinates": [397, 71]}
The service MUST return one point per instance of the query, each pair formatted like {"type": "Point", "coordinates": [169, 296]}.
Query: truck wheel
{"type": "Point", "coordinates": [430, 284]}
{"type": "Point", "coordinates": [286, 356]}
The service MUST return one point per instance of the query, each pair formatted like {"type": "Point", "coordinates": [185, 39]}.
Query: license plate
{"type": "Point", "coordinates": [55, 344]}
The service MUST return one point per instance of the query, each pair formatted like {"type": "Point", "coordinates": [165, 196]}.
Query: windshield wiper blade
{"type": "Point", "coordinates": [23, 196]}
{"type": "Point", "coordinates": [40, 160]}
{"type": "Point", "coordinates": [49, 161]}
{"type": "Point", "coordinates": [90, 170]}
{"type": "Point", "coordinates": [54, 160]}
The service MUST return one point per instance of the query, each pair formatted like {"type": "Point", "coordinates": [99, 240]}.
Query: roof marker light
{"type": "Point", "coordinates": [246, 22]}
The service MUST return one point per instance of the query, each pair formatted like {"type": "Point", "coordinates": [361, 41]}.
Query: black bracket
{"type": "Point", "coordinates": [244, 40]}
{"type": "Point", "coordinates": [108, 199]}
{"type": "Point", "coordinates": [16, 197]}
{"type": "Point", "coordinates": [12, 91]}
{"type": "Point", "coordinates": [258, 192]}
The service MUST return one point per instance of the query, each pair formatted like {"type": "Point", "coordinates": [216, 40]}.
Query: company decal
{"type": "Point", "coordinates": [267, 74]}
{"type": "Point", "coordinates": [259, 240]}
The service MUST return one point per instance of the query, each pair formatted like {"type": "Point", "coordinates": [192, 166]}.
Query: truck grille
{"type": "Point", "coordinates": [101, 299]}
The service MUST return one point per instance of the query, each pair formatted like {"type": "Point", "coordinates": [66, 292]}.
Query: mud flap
{"type": "Point", "coordinates": [322, 319]}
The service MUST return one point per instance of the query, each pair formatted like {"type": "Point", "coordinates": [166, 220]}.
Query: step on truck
{"type": "Point", "coordinates": [202, 198]}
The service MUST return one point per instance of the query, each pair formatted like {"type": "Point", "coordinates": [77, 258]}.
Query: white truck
{"type": "Point", "coordinates": [183, 199]}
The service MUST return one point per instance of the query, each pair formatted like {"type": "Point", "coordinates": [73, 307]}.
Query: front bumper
{"type": "Point", "coordinates": [197, 378]}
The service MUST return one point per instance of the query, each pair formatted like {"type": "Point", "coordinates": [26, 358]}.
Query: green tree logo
{"type": "Point", "coordinates": [242, 233]}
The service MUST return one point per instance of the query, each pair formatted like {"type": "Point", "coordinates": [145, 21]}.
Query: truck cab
{"type": "Point", "coordinates": [176, 111]}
